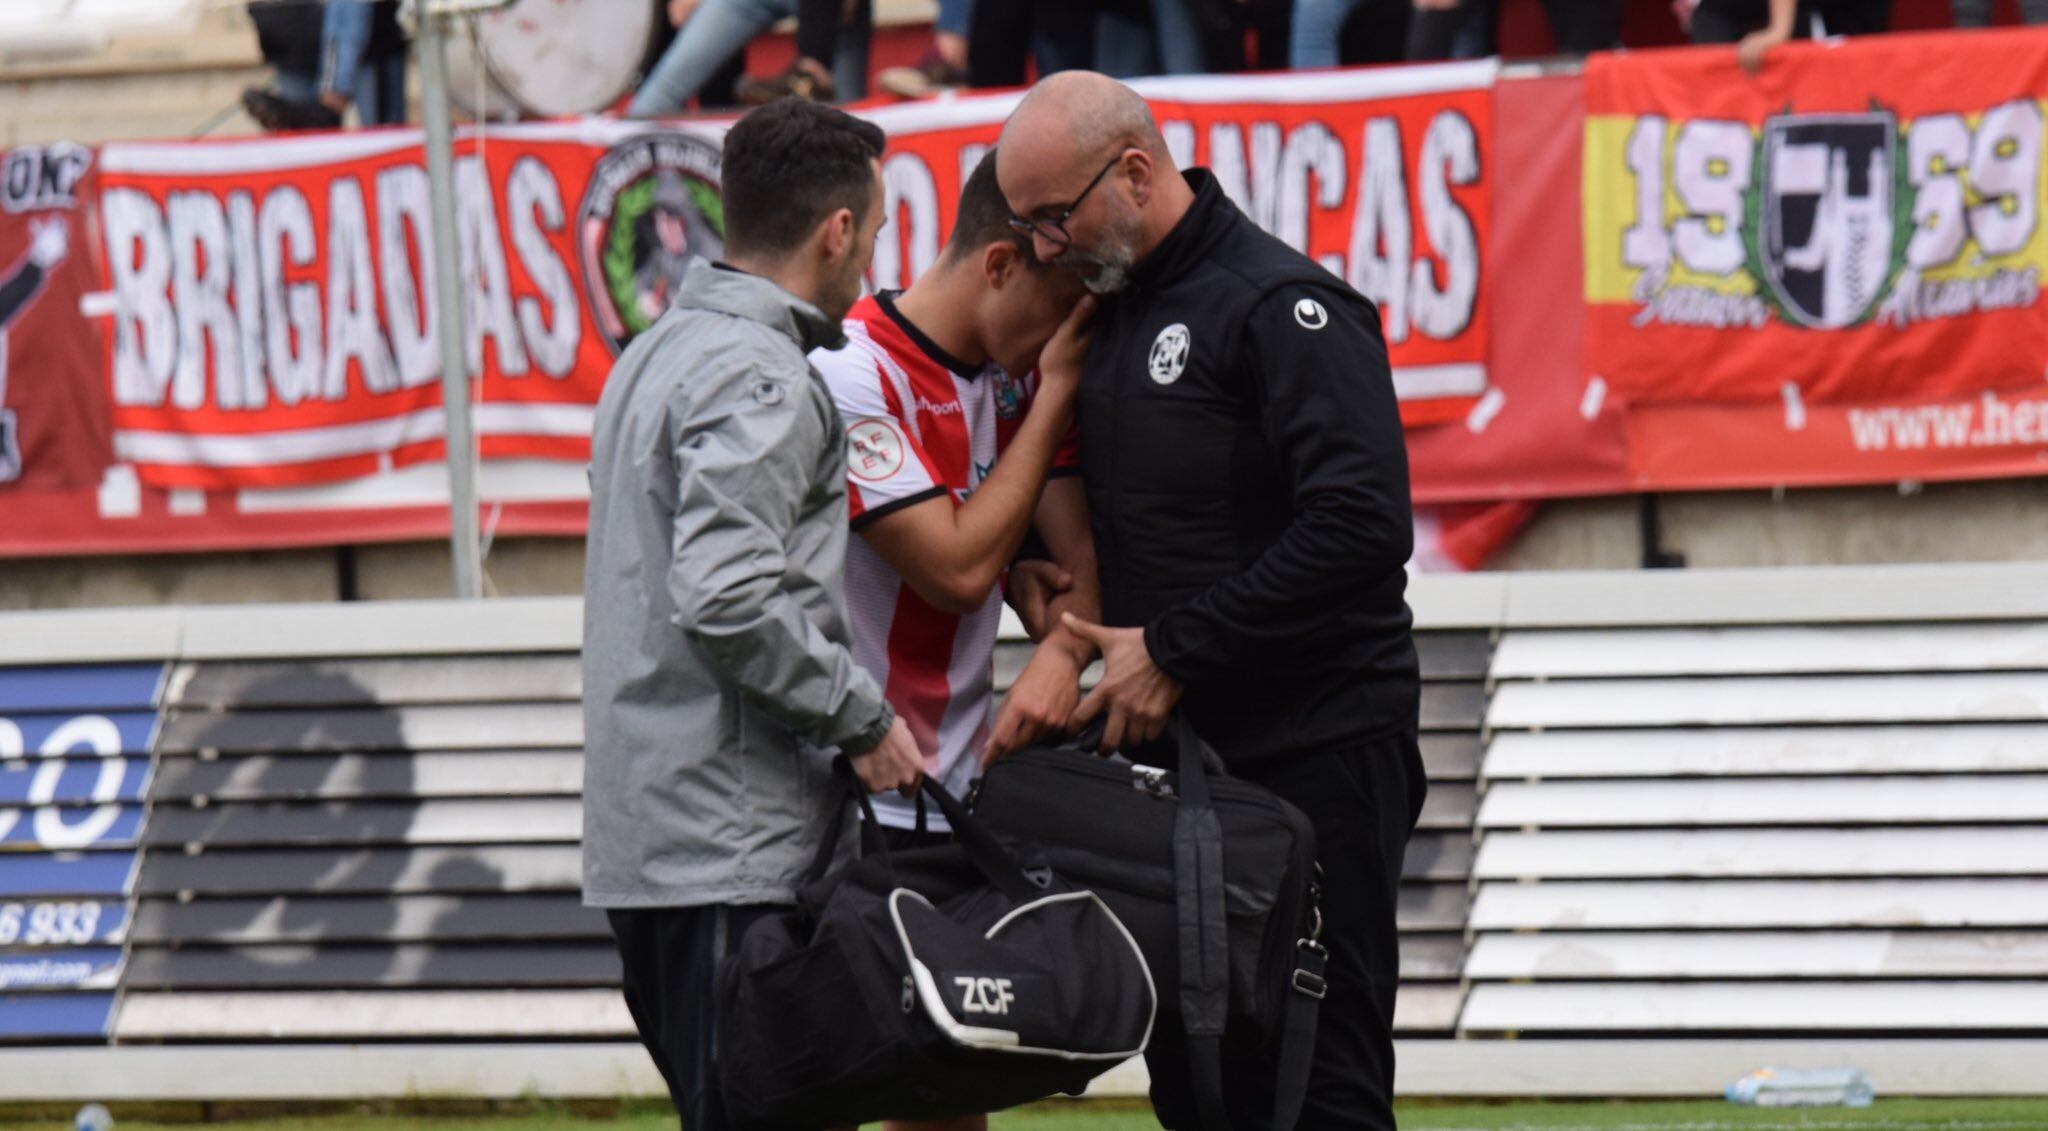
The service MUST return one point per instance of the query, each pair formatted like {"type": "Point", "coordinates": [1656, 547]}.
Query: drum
{"type": "Point", "coordinates": [552, 58]}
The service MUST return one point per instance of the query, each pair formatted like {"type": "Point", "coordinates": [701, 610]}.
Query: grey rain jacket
{"type": "Point", "coordinates": [716, 675]}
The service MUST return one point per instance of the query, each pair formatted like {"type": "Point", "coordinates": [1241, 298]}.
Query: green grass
{"type": "Point", "coordinates": [1713, 1115]}
{"type": "Point", "coordinates": [1886, 1115]}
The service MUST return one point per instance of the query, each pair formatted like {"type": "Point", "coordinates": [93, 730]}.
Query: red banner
{"type": "Point", "coordinates": [1831, 274]}
{"type": "Point", "coordinates": [275, 319]}
{"type": "Point", "coordinates": [1663, 275]}
{"type": "Point", "coordinates": [1541, 430]}
{"type": "Point", "coordinates": [53, 403]}
{"type": "Point", "coordinates": [1378, 175]}
{"type": "Point", "coordinates": [265, 314]}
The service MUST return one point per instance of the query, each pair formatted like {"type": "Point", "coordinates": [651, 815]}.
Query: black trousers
{"type": "Point", "coordinates": [1001, 35]}
{"type": "Point", "coordinates": [819, 22]}
{"type": "Point", "coordinates": [670, 957]}
{"type": "Point", "coordinates": [1580, 27]}
{"type": "Point", "coordinates": [1364, 802]}
{"type": "Point", "coordinates": [1728, 21]}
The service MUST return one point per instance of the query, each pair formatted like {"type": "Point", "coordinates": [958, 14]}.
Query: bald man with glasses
{"type": "Point", "coordinates": [1247, 483]}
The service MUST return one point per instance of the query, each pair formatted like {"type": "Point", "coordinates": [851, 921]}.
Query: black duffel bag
{"type": "Point", "coordinates": [1214, 876]}
{"type": "Point", "coordinates": [926, 984]}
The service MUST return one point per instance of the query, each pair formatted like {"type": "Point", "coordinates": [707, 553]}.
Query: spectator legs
{"type": "Point", "coordinates": [717, 91]}
{"type": "Point", "coordinates": [1852, 17]}
{"type": "Point", "coordinates": [1318, 25]}
{"type": "Point", "coordinates": [380, 91]}
{"type": "Point", "coordinates": [1584, 26]}
{"type": "Point", "coordinates": [344, 40]}
{"type": "Point", "coordinates": [294, 87]}
{"type": "Point", "coordinates": [1124, 46]}
{"type": "Point", "coordinates": [850, 57]}
{"type": "Point", "coordinates": [715, 32]}
{"type": "Point", "coordinates": [1439, 33]}
{"type": "Point", "coordinates": [1170, 43]}
{"type": "Point", "coordinates": [1712, 25]}
{"type": "Point", "coordinates": [1178, 38]}
{"type": "Point", "coordinates": [1272, 21]}
{"type": "Point", "coordinates": [955, 17]}
{"type": "Point", "coordinates": [1064, 39]}
{"type": "Point", "coordinates": [1001, 33]}
{"type": "Point", "coordinates": [1972, 13]}
{"type": "Point", "coordinates": [817, 28]}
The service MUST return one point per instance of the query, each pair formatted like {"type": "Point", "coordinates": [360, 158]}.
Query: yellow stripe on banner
{"type": "Point", "coordinates": [1973, 263]}
{"type": "Point", "coordinates": [1610, 207]}
{"type": "Point", "coordinates": [1613, 189]}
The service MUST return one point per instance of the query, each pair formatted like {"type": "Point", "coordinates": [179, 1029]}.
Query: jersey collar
{"type": "Point", "coordinates": [886, 300]}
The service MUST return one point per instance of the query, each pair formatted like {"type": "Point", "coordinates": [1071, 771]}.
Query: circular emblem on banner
{"type": "Point", "coordinates": [1311, 314]}
{"type": "Point", "coordinates": [1169, 354]}
{"type": "Point", "coordinates": [874, 449]}
{"type": "Point", "coordinates": [652, 208]}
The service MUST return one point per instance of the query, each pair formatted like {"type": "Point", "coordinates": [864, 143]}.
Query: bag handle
{"type": "Point", "coordinates": [986, 853]}
{"type": "Point", "coordinates": [870, 843]}
{"type": "Point", "coordinates": [983, 850]}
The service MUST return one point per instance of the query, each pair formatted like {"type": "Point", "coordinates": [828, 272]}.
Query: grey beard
{"type": "Point", "coordinates": [1108, 280]}
{"type": "Point", "coordinates": [1100, 276]}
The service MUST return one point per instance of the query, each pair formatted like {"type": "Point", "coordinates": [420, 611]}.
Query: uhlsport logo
{"type": "Point", "coordinates": [652, 208]}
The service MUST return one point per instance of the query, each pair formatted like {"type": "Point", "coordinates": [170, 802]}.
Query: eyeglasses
{"type": "Point", "coordinates": [1055, 228]}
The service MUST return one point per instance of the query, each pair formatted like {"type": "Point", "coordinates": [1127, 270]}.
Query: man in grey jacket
{"type": "Point", "coordinates": [717, 680]}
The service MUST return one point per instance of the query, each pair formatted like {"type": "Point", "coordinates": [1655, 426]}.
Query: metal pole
{"type": "Point", "coordinates": [448, 293]}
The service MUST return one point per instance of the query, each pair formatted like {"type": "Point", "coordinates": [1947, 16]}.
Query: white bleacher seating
{"type": "Point", "coordinates": [1677, 822]}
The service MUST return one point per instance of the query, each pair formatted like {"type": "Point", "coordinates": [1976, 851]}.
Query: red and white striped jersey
{"type": "Point", "coordinates": [921, 425]}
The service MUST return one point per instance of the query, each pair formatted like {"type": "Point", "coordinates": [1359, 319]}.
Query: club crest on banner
{"type": "Point", "coordinates": [653, 207]}
{"type": "Point", "coordinates": [1828, 249]}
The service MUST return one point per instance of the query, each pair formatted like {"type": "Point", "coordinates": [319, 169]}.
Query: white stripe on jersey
{"type": "Point", "coordinates": [877, 598]}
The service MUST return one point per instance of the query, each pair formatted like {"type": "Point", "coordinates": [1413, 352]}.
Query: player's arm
{"type": "Point", "coordinates": [951, 556]}
{"type": "Point", "coordinates": [1049, 687]}
{"type": "Point", "coordinates": [1062, 524]}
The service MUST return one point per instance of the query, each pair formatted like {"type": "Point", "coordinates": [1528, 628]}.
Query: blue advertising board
{"type": "Point", "coordinates": [75, 773]}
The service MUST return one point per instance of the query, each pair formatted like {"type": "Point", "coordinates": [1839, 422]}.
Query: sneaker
{"type": "Point", "coordinates": [931, 76]}
{"type": "Point", "coordinates": [276, 113]}
{"type": "Point", "coordinates": [803, 79]}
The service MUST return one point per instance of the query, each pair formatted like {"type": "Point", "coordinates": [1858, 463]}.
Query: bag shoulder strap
{"type": "Point", "coordinates": [1205, 955]}
{"type": "Point", "coordinates": [1203, 929]}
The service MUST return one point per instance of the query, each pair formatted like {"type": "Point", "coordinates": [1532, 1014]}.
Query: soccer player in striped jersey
{"type": "Point", "coordinates": [957, 395]}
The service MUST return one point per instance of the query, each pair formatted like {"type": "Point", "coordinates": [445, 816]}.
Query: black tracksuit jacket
{"type": "Point", "coordinates": [1248, 486]}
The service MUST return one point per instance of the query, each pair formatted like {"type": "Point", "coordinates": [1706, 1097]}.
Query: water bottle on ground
{"type": "Point", "coordinates": [1803, 1087]}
